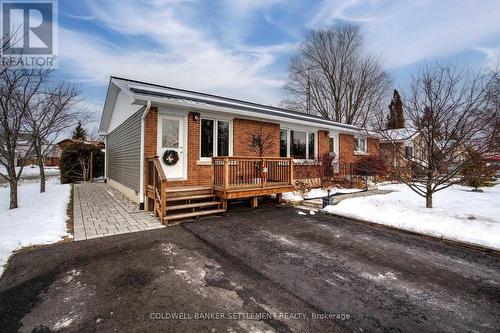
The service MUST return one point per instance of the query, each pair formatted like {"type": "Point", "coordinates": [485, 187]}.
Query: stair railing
{"type": "Point", "coordinates": [156, 186]}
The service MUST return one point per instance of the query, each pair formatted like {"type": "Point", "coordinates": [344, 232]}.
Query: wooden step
{"type": "Point", "coordinates": [194, 205]}
{"type": "Point", "coordinates": [190, 197]}
{"type": "Point", "coordinates": [188, 188]}
{"type": "Point", "coordinates": [193, 214]}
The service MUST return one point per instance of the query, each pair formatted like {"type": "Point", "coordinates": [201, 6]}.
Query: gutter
{"type": "Point", "coordinates": [141, 175]}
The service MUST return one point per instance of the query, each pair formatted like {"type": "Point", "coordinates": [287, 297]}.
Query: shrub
{"type": "Point", "coordinates": [477, 173]}
{"type": "Point", "coordinates": [371, 166]}
{"type": "Point", "coordinates": [75, 159]}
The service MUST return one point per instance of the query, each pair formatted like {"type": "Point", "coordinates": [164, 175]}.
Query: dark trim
{"type": "Point", "coordinates": [249, 105]}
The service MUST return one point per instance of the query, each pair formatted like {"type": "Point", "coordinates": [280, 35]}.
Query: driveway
{"type": "Point", "coordinates": [269, 266]}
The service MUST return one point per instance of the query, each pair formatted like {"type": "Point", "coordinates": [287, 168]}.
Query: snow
{"type": "Point", "coordinates": [33, 170]}
{"type": "Point", "coordinates": [458, 214]}
{"type": "Point", "coordinates": [316, 193]}
{"type": "Point", "coordinates": [40, 218]}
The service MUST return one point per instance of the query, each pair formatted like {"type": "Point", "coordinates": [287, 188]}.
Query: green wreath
{"type": "Point", "coordinates": [170, 157]}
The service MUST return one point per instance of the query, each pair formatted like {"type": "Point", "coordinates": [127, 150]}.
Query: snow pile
{"type": "Point", "coordinates": [458, 213]}
{"type": "Point", "coordinates": [40, 218]}
{"type": "Point", "coordinates": [316, 193]}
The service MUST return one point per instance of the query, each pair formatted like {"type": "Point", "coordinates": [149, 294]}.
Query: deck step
{"type": "Point", "coordinates": [194, 205]}
{"type": "Point", "coordinates": [188, 188]}
{"type": "Point", "coordinates": [193, 214]}
{"type": "Point", "coordinates": [190, 197]}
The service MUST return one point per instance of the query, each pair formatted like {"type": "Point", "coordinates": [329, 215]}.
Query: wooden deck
{"type": "Point", "coordinates": [233, 178]}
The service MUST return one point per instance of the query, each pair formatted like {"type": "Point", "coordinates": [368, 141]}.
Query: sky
{"type": "Point", "coordinates": [241, 48]}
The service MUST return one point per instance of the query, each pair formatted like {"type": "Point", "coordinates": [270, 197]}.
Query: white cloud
{"type": "Point", "coordinates": [405, 32]}
{"type": "Point", "coordinates": [183, 55]}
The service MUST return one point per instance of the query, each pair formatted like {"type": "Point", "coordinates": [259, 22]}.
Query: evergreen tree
{"type": "Point", "coordinates": [79, 132]}
{"type": "Point", "coordinates": [395, 118]}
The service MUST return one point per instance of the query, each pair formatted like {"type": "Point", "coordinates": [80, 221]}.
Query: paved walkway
{"type": "Point", "coordinates": [99, 211]}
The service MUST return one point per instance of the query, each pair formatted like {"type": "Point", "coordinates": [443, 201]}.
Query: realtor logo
{"type": "Point", "coordinates": [29, 33]}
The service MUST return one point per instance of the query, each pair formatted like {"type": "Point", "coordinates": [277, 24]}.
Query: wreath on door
{"type": "Point", "coordinates": [170, 157]}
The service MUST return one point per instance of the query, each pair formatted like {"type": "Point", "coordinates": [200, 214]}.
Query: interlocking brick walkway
{"type": "Point", "coordinates": [100, 211]}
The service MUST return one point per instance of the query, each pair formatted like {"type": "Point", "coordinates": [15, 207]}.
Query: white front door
{"type": "Point", "coordinates": [171, 138]}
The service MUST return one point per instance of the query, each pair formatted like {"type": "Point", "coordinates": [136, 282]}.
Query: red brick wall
{"type": "Point", "coordinates": [346, 149]}
{"type": "Point", "coordinates": [242, 130]}
{"type": "Point", "coordinates": [202, 174]}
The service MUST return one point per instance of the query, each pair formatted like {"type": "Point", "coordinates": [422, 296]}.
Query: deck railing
{"type": "Point", "coordinates": [156, 185]}
{"type": "Point", "coordinates": [251, 172]}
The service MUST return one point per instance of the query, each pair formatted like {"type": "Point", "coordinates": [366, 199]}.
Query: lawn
{"type": "Point", "coordinates": [458, 213]}
{"type": "Point", "coordinates": [40, 218]}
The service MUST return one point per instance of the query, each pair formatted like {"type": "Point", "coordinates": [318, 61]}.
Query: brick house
{"type": "Point", "coordinates": [192, 146]}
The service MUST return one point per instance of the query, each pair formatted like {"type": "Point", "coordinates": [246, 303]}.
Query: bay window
{"type": "Point", "coordinates": [297, 144]}
{"type": "Point", "coordinates": [215, 137]}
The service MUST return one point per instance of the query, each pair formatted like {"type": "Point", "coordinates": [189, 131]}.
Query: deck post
{"type": "Point", "coordinates": [279, 197]}
{"type": "Point", "coordinates": [291, 171]}
{"type": "Point", "coordinates": [255, 202]}
{"type": "Point", "coordinates": [226, 174]}
{"type": "Point", "coordinates": [264, 174]}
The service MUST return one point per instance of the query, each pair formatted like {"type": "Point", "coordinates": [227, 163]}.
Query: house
{"type": "Point", "coordinates": [399, 147]}
{"type": "Point", "coordinates": [66, 142]}
{"type": "Point", "coordinates": [182, 153]}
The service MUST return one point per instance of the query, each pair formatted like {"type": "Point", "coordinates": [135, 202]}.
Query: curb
{"type": "Point", "coordinates": [472, 246]}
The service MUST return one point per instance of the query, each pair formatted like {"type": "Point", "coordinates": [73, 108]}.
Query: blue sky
{"type": "Point", "coordinates": [241, 48]}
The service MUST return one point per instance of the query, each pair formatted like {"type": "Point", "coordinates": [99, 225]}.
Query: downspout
{"type": "Point", "coordinates": [141, 175]}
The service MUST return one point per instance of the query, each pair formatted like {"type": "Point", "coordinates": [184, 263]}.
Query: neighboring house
{"type": "Point", "coordinates": [399, 147]}
{"type": "Point", "coordinates": [66, 142]}
{"type": "Point", "coordinates": [203, 144]}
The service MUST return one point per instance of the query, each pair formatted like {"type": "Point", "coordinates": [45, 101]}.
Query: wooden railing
{"type": "Point", "coordinates": [156, 186]}
{"type": "Point", "coordinates": [251, 172]}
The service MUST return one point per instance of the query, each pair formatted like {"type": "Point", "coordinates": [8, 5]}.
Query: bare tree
{"type": "Point", "coordinates": [449, 111]}
{"type": "Point", "coordinates": [333, 77]}
{"type": "Point", "coordinates": [261, 140]}
{"type": "Point", "coordinates": [53, 112]}
{"type": "Point", "coordinates": [18, 88]}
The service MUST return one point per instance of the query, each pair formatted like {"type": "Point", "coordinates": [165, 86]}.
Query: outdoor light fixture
{"type": "Point", "coordinates": [195, 116]}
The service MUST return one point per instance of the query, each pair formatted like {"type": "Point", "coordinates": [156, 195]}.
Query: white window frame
{"type": "Point", "coordinates": [358, 151]}
{"type": "Point", "coordinates": [215, 137]}
{"type": "Point", "coordinates": [288, 145]}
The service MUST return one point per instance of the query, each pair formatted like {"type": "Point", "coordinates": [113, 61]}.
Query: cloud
{"type": "Point", "coordinates": [405, 32]}
{"type": "Point", "coordinates": [171, 50]}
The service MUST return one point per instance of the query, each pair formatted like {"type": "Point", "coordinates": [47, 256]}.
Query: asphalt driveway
{"type": "Point", "coordinates": [271, 268]}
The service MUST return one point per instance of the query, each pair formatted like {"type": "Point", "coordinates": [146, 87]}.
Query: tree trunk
{"type": "Point", "coordinates": [13, 194]}
{"type": "Point", "coordinates": [428, 200]}
{"type": "Point", "coordinates": [42, 175]}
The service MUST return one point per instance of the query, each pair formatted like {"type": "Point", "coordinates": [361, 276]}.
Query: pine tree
{"type": "Point", "coordinates": [395, 118]}
{"type": "Point", "coordinates": [79, 132]}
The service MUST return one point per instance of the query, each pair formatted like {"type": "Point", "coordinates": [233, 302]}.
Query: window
{"type": "Point", "coordinates": [207, 138]}
{"type": "Point", "coordinates": [331, 146]}
{"type": "Point", "coordinates": [215, 137]}
{"type": "Point", "coordinates": [408, 152]}
{"type": "Point", "coordinates": [170, 133]}
{"type": "Point", "coordinates": [310, 146]}
{"type": "Point", "coordinates": [297, 144]}
{"type": "Point", "coordinates": [222, 138]}
{"type": "Point", "coordinates": [283, 143]}
{"type": "Point", "coordinates": [360, 144]}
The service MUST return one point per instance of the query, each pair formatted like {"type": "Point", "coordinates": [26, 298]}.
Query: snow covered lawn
{"type": "Point", "coordinates": [33, 170]}
{"type": "Point", "coordinates": [316, 193]}
{"type": "Point", "coordinates": [40, 218]}
{"type": "Point", "coordinates": [458, 213]}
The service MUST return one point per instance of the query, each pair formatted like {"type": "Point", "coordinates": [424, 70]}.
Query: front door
{"type": "Point", "coordinates": [170, 146]}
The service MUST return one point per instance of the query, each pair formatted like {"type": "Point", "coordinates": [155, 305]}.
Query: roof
{"type": "Point", "coordinates": [141, 92]}
{"type": "Point", "coordinates": [398, 135]}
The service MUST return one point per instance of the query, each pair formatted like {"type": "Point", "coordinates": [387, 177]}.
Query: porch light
{"type": "Point", "coordinates": [195, 116]}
